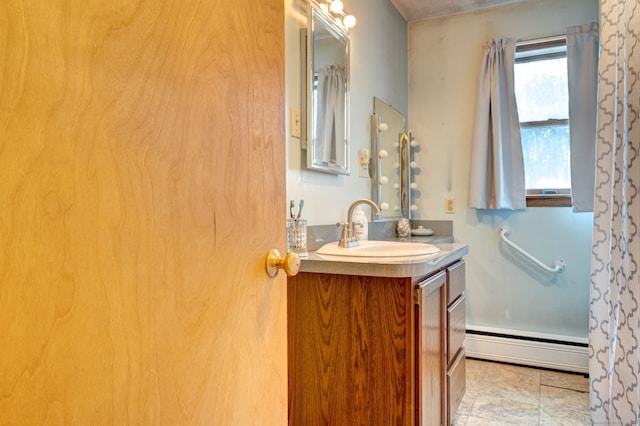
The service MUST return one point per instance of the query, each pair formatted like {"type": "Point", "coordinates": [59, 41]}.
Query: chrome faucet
{"type": "Point", "coordinates": [348, 238]}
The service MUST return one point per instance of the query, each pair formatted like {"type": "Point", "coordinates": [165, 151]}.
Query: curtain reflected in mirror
{"type": "Point", "coordinates": [330, 113]}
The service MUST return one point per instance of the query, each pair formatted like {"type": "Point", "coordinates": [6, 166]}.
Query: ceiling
{"type": "Point", "coordinates": [413, 10]}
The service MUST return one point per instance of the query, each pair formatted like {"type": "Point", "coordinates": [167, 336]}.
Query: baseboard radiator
{"type": "Point", "coordinates": [556, 352]}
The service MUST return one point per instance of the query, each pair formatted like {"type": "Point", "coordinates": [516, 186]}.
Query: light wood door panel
{"type": "Point", "coordinates": [141, 186]}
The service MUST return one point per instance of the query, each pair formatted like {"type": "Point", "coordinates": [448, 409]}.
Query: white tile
{"type": "Point", "coordinates": [513, 374]}
{"type": "Point", "coordinates": [577, 382]}
{"type": "Point", "coordinates": [502, 394]}
{"type": "Point", "coordinates": [563, 407]}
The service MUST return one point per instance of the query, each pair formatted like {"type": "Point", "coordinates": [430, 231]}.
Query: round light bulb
{"type": "Point", "coordinates": [384, 180]}
{"type": "Point", "coordinates": [336, 6]}
{"type": "Point", "coordinates": [349, 21]}
{"type": "Point", "coordinates": [384, 206]}
{"type": "Point", "coordinates": [396, 165]}
{"type": "Point", "coordinates": [414, 143]}
{"type": "Point", "coordinates": [383, 153]}
{"type": "Point", "coordinates": [383, 127]}
{"type": "Point", "coordinates": [414, 207]}
{"type": "Point", "coordinates": [324, 8]}
{"type": "Point", "coordinates": [413, 165]}
{"type": "Point", "coordinates": [396, 186]}
{"type": "Point", "coordinates": [414, 185]}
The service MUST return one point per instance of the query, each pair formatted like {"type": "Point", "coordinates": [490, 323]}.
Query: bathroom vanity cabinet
{"type": "Point", "coordinates": [373, 350]}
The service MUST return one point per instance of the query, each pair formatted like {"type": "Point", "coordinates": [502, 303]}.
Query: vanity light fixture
{"type": "Point", "coordinates": [335, 9]}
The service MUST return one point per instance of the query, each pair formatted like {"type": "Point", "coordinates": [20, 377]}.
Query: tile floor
{"type": "Point", "coordinates": [502, 394]}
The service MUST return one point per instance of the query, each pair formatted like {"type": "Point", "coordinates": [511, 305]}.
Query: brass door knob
{"type": "Point", "coordinates": [290, 263]}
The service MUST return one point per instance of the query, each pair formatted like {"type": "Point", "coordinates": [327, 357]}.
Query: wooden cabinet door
{"type": "Point", "coordinates": [430, 347]}
{"type": "Point", "coordinates": [350, 350]}
{"type": "Point", "coordinates": [142, 184]}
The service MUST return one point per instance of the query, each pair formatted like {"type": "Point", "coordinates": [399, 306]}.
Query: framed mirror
{"type": "Point", "coordinates": [325, 92]}
{"type": "Point", "coordinates": [389, 163]}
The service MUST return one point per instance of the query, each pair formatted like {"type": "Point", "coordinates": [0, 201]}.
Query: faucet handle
{"type": "Point", "coordinates": [345, 227]}
{"type": "Point", "coordinates": [344, 239]}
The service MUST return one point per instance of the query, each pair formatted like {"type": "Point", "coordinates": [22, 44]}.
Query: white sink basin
{"type": "Point", "coordinates": [379, 249]}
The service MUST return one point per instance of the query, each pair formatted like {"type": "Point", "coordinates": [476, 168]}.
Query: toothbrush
{"type": "Point", "coordinates": [294, 221]}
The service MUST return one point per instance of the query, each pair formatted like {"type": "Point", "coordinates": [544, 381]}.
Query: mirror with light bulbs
{"type": "Point", "coordinates": [390, 168]}
{"type": "Point", "coordinates": [325, 87]}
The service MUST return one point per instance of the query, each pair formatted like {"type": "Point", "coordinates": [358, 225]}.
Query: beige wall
{"type": "Point", "coordinates": [444, 59]}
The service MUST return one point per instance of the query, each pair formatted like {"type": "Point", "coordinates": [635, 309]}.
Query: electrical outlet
{"type": "Point", "coordinates": [295, 122]}
{"type": "Point", "coordinates": [449, 205]}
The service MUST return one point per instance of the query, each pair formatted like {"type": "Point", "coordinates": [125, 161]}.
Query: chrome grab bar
{"type": "Point", "coordinates": [556, 266]}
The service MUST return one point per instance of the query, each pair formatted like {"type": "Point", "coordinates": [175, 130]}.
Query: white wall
{"type": "Point", "coordinates": [444, 60]}
{"type": "Point", "coordinates": [378, 68]}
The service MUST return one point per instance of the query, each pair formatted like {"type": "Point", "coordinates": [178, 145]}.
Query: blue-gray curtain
{"type": "Point", "coordinates": [582, 68]}
{"type": "Point", "coordinates": [614, 350]}
{"type": "Point", "coordinates": [497, 166]}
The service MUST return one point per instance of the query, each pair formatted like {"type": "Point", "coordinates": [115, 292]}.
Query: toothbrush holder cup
{"type": "Point", "coordinates": [297, 237]}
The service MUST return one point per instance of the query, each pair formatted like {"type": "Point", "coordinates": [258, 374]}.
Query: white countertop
{"type": "Point", "coordinates": [413, 266]}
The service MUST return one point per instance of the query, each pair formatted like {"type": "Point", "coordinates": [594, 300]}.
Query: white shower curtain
{"type": "Point", "coordinates": [582, 67]}
{"type": "Point", "coordinates": [614, 354]}
{"type": "Point", "coordinates": [330, 126]}
{"type": "Point", "coordinates": [497, 166]}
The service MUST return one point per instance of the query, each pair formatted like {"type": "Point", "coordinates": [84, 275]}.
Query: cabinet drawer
{"type": "Point", "coordinates": [456, 321]}
{"type": "Point", "coordinates": [455, 281]}
{"type": "Point", "coordinates": [456, 384]}
{"type": "Point", "coordinates": [432, 283]}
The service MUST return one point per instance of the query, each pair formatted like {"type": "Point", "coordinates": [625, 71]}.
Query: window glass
{"type": "Point", "coordinates": [546, 156]}
{"type": "Point", "coordinates": [541, 89]}
{"type": "Point", "coordinates": [543, 108]}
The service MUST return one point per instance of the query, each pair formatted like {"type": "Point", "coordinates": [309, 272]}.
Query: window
{"type": "Point", "coordinates": [543, 107]}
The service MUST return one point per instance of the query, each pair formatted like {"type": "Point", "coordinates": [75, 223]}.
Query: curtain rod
{"type": "Point", "coordinates": [559, 37]}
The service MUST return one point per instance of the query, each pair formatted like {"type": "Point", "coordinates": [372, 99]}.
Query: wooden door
{"type": "Point", "coordinates": [141, 186]}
